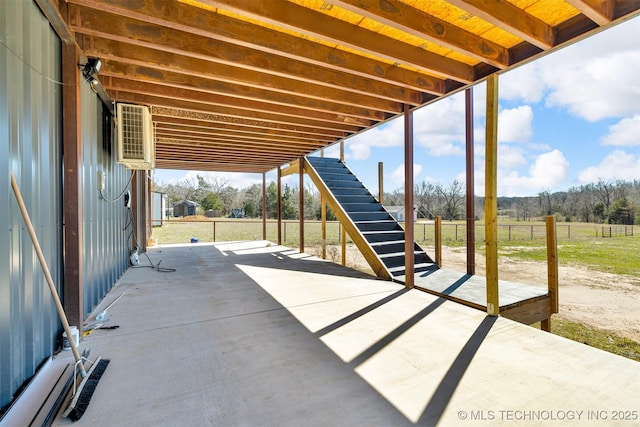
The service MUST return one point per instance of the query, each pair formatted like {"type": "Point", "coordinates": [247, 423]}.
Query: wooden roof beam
{"type": "Point", "coordinates": [104, 25]}
{"type": "Point", "coordinates": [348, 104]}
{"type": "Point", "coordinates": [260, 128]}
{"type": "Point", "coordinates": [236, 159]}
{"type": "Point", "coordinates": [219, 27]}
{"type": "Point", "coordinates": [235, 155]}
{"type": "Point", "coordinates": [166, 111]}
{"type": "Point", "coordinates": [250, 106]}
{"type": "Point", "coordinates": [408, 19]}
{"type": "Point", "coordinates": [512, 19]}
{"type": "Point", "coordinates": [307, 21]}
{"type": "Point", "coordinates": [242, 116]}
{"type": "Point", "coordinates": [235, 137]}
{"type": "Point", "coordinates": [212, 166]}
{"type": "Point", "coordinates": [602, 12]}
{"type": "Point", "coordinates": [119, 52]}
{"type": "Point", "coordinates": [233, 141]}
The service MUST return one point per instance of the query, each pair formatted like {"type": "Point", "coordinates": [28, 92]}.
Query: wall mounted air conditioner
{"type": "Point", "coordinates": [136, 146]}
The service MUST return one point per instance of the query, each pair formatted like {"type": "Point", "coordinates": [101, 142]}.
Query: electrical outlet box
{"type": "Point", "coordinates": [101, 180]}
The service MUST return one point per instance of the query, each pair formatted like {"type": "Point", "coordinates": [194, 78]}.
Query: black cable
{"type": "Point", "coordinates": [155, 267]}
{"type": "Point", "coordinates": [124, 190]}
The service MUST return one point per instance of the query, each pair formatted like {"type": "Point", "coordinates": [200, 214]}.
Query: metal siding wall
{"type": "Point", "coordinates": [30, 144]}
{"type": "Point", "coordinates": [106, 247]}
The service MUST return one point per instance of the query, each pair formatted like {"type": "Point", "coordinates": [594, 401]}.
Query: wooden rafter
{"type": "Point", "coordinates": [316, 24]}
{"type": "Point", "coordinates": [507, 16]}
{"type": "Point", "coordinates": [399, 15]}
{"type": "Point", "coordinates": [248, 85]}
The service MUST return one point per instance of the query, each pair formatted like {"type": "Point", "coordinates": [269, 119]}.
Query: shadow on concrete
{"type": "Point", "coordinates": [391, 336]}
{"type": "Point", "coordinates": [350, 318]}
{"type": "Point", "coordinates": [443, 393]}
{"type": "Point", "coordinates": [455, 285]}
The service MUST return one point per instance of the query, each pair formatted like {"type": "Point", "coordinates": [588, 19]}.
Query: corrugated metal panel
{"type": "Point", "coordinates": [106, 223]}
{"type": "Point", "coordinates": [30, 141]}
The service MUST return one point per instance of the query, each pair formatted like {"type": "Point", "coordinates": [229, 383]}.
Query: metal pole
{"type": "Point", "coordinates": [470, 190]}
{"type": "Point", "coordinates": [301, 193]}
{"type": "Point", "coordinates": [408, 198]}
{"type": "Point", "coordinates": [279, 207]}
{"type": "Point", "coordinates": [264, 206]}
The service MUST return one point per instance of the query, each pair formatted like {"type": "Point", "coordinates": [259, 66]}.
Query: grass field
{"type": "Point", "coordinates": [578, 243]}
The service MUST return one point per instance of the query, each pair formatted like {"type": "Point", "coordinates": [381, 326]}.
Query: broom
{"type": "Point", "coordinates": [81, 394]}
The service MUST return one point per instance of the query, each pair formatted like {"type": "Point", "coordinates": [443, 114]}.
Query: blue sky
{"type": "Point", "coordinates": [569, 118]}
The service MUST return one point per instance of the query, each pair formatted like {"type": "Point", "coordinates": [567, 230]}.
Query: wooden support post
{"type": "Point", "coordinates": [279, 206]}
{"type": "Point", "coordinates": [301, 208]}
{"type": "Point", "coordinates": [491, 199]}
{"type": "Point", "coordinates": [552, 269]}
{"type": "Point", "coordinates": [343, 238]}
{"type": "Point", "coordinates": [438, 239]}
{"type": "Point", "coordinates": [264, 206]}
{"type": "Point", "coordinates": [342, 150]}
{"type": "Point", "coordinates": [323, 217]}
{"type": "Point", "coordinates": [381, 183]}
{"type": "Point", "coordinates": [409, 257]}
{"type": "Point", "coordinates": [72, 190]}
{"type": "Point", "coordinates": [470, 190]}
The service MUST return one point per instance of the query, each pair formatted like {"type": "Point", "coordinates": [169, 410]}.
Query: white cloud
{"type": "Point", "coordinates": [333, 151]}
{"type": "Point", "coordinates": [387, 135]}
{"type": "Point", "coordinates": [511, 88]}
{"type": "Point", "coordinates": [397, 176]}
{"type": "Point", "coordinates": [514, 125]}
{"type": "Point", "coordinates": [617, 165]}
{"type": "Point", "coordinates": [510, 157]}
{"type": "Point", "coordinates": [624, 133]}
{"type": "Point", "coordinates": [594, 79]}
{"type": "Point", "coordinates": [547, 171]}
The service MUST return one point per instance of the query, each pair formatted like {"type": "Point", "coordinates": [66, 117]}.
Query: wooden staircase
{"type": "Point", "coordinates": [374, 231]}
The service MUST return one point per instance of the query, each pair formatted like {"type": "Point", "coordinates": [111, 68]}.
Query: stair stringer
{"type": "Point", "coordinates": [358, 238]}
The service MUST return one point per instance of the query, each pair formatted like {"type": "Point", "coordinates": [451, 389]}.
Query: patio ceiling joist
{"type": "Point", "coordinates": [282, 78]}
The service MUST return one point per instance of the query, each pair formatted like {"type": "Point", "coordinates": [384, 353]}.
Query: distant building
{"type": "Point", "coordinates": [184, 208]}
{"type": "Point", "coordinates": [237, 213]}
{"type": "Point", "coordinates": [397, 212]}
{"type": "Point", "coordinates": [158, 209]}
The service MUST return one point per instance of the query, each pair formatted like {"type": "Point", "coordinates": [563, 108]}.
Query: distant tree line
{"type": "Point", "coordinates": [612, 202]}
{"type": "Point", "coordinates": [217, 194]}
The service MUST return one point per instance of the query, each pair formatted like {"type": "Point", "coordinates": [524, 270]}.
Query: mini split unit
{"type": "Point", "coordinates": [136, 147]}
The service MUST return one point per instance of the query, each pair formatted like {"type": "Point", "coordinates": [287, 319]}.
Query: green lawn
{"type": "Point", "coordinates": [578, 243]}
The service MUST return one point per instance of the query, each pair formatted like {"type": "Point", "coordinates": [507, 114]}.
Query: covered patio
{"type": "Point", "coordinates": [251, 333]}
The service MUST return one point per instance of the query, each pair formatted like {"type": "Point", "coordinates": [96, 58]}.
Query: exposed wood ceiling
{"type": "Point", "coordinates": [249, 85]}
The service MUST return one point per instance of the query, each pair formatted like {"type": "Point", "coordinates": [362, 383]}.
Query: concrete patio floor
{"type": "Point", "coordinates": [254, 334]}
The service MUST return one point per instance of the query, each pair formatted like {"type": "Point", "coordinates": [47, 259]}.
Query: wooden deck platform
{"type": "Point", "coordinates": [520, 302]}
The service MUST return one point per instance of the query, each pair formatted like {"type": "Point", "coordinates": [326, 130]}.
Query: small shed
{"type": "Point", "coordinates": [184, 208]}
{"type": "Point", "coordinates": [397, 212]}
{"type": "Point", "coordinates": [237, 213]}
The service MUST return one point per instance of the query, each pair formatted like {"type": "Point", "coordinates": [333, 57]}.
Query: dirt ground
{"type": "Point", "coordinates": [599, 300]}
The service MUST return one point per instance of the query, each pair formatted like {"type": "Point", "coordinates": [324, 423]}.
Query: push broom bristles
{"type": "Point", "coordinates": [82, 395]}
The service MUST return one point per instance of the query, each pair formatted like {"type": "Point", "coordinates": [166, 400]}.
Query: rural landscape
{"type": "Point", "coordinates": [596, 226]}
{"type": "Point", "coordinates": [599, 276]}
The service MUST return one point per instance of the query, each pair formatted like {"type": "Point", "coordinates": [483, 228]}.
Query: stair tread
{"type": "Point", "coordinates": [395, 254]}
{"type": "Point", "coordinates": [421, 265]}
